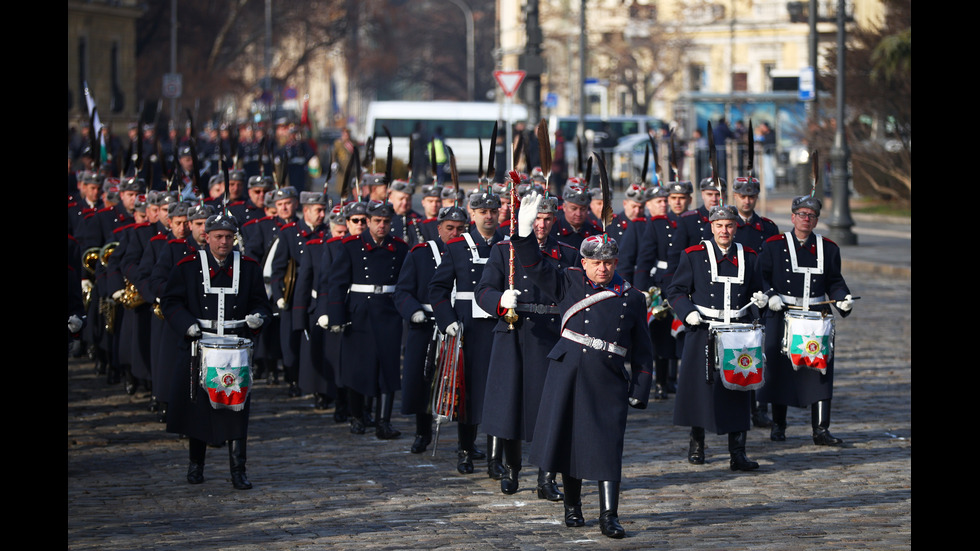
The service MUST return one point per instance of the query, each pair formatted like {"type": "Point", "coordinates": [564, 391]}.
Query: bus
{"type": "Point", "coordinates": [462, 124]}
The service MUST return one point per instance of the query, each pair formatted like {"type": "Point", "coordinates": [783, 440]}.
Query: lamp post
{"type": "Point", "coordinates": [470, 48]}
{"type": "Point", "coordinates": [840, 222]}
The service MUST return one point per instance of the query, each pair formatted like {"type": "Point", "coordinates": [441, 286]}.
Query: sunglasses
{"type": "Point", "coordinates": [358, 220]}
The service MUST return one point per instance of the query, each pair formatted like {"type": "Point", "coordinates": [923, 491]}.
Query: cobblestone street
{"type": "Point", "coordinates": [318, 487]}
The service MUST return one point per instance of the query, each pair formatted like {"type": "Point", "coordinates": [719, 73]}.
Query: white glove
{"type": "Point", "coordinates": [118, 295]}
{"type": "Point", "coordinates": [846, 304]}
{"type": "Point", "coordinates": [452, 329]}
{"type": "Point", "coordinates": [281, 303]}
{"type": "Point", "coordinates": [694, 318]}
{"type": "Point", "coordinates": [323, 321]}
{"type": "Point", "coordinates": [336, 328]}
{"type": "Point", "coordinates": [419, 317]}
{"type": "Point", "coordinates": [527, 214]}
{"type": "Point", "coordinates": [86, 285]}
{"type": "Point", "coordinates": [760, 299]}
{"type": "Point", "coordinates": [254, 321]}
{"type": "Point", "coordinates": [74, 323]}
{"type": "Point", "coordinates": [776, 303]}
{"type": "Point", "coordinates": [194, 331]}
{"type": "Point", "coordinates": [509, 298]}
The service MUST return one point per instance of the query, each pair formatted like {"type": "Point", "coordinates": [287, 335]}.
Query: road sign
{"type": "Point", "coordinates": [807, 84]}
{"type": "Point", "coordinates": [551, 100]}
{"type": "Point", "coordinates": [509, 81]}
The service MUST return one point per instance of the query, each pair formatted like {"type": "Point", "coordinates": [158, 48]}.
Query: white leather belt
{"type": "Point", "coordinates": [212, 324]}
{"type": "Point", "coordinates": [594, 343]}
{"type": "Point", "coordinates": [464, 295]}
{"type": "Point", "coordinates": [374, 289]}
{"type": "Point", "coordinates": [720, 314]}
{"type": "Point", "coordinates": [798, 301]}
{"type": "Point", "coordinates": [532, 308]}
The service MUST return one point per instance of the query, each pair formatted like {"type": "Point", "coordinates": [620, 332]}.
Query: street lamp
{"type": "Point", "coordinates": [470, 48]}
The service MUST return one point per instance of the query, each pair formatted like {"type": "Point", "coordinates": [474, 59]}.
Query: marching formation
{"type": "Point", "coordinates": [533, 317]}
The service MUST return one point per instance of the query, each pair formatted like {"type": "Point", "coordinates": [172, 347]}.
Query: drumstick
{"type": "Point", "coordinates": [793, 307]}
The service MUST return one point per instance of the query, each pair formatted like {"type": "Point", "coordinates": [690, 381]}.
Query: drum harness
{"type": "Point", "coordinates": [726, 314]}
{"type": "Point", "coordinates": [806, 299]}
{"type": "Point", "coordinates": [221, 324]}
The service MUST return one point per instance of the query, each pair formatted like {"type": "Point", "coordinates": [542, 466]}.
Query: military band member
{"type": "Point", "coordinates": [198, 286]}
{"type": "Point", "coordinates": [431, 204]}
{"type": "Point", "coordinates": [518, 366]}
{"type": "Point", "coordinates": [315, 373]}
{"type": "Point", "coordinates": [694, 225]}
{"type": "Point", "coordinates": [405, 222]}
{"type": "Point", "coordinates": [188, 236]}
{"type": "Point", "coordinates": [414, 305]}
{"type": "Point", "coordinates": [361, 305]}
{"type": "Point", "coordinates": [285, 262]}
{"type": "Point", "coordinates": [355, 217]}
{"type": "Point", "coordinates": [582, 419]}
{"type": "Point", "coordinates": [792, 264]}
{"type": "Point", "coordinates": [461, 268]}
{"type": "Point", "coordinates": [716, 282]}
{"type": "Point", "coordinates": [574, 224]}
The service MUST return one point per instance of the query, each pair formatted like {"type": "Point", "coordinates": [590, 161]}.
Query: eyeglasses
{"type": "Point", "coordinates": [806, 215]}
{"type": "Point", "coordinates": [358, 220]}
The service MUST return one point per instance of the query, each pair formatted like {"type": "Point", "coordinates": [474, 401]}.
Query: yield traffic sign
{"type": "Point", "coordinates": [509, 81]}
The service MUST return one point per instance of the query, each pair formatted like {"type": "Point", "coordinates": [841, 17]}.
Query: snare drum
{"type": "Point", "coordinates": [808, 339]}
{"type": "Point", "coordinates": [739, 355]}
{"type": "Point", "coordinates": [226, 370]}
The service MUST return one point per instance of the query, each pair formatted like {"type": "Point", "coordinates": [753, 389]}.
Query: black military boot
{"type": "Point", "coordinates": [355, 401]}
{"type": "Point", "coordinates": [759, 413]}
{"type": "Point", "coordinates": [820, 418]}
{"type": "Point", "coordinates": [369, 421]}
{"type": "Point", "coordinates": [384, 430]}
{"type": "Point", "coordinates": [547, 487]}
{"type": "Point", "coordinates": [320, 401]}
{"type": "Point", "coordinates": [512, 465]}
{"type": "Point", "coordinates": [777, 433]}
{"type": "Point", "coordinates": [736, 448]}
{"type": "Point", "coordinates": [467, 439]}
{"type": "Point", "coordinates": [695, 452]}
{"type": "Point", "coordinates": [340, 411]}
{"type": "Point", "coordinates": [423, 432]}
{"type": "Point", "coordinates": [573, 501]}
{"type": "Point", "coordinates": [195, 470]}
{"type": "Point", "coordinates": [495, 450]}
{"type": "Point", "coordinates": [236, 456]}
{"type": "Point", "coordinates": [660, 389]}
{"type": "Point", "coordinates": [609, 510]}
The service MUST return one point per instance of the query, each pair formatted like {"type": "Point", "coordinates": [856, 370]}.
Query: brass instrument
{"type": "Point", "coordinates": [106, 251]}
{"type": "Point", "coordinates": [131, 297]}
{"type": "Point", "coordinates": [107, 306]}
{"type": "Point", "coordinates": [657, 306]}
{"type": "Point", "coordinates": [89, 259]}
{"type": "Point", "coordinates": [289, 280]}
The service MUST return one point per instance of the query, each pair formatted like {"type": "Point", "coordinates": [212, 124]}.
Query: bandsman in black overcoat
{"type": "Point", "coordinates": [710, 277]}
{"type": "Point", "coordinates": [788, 260]}
{"type": "Point", "coordinates": [581, 422]}
{"type": "Point", "coordinates": [414, 305]}
{"type": "Point", "coordinates": [461, 268]}
{"type": "Point", "coordinates": [190, 304]}
{"type": "Point", "coordinates": [361, 305]}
